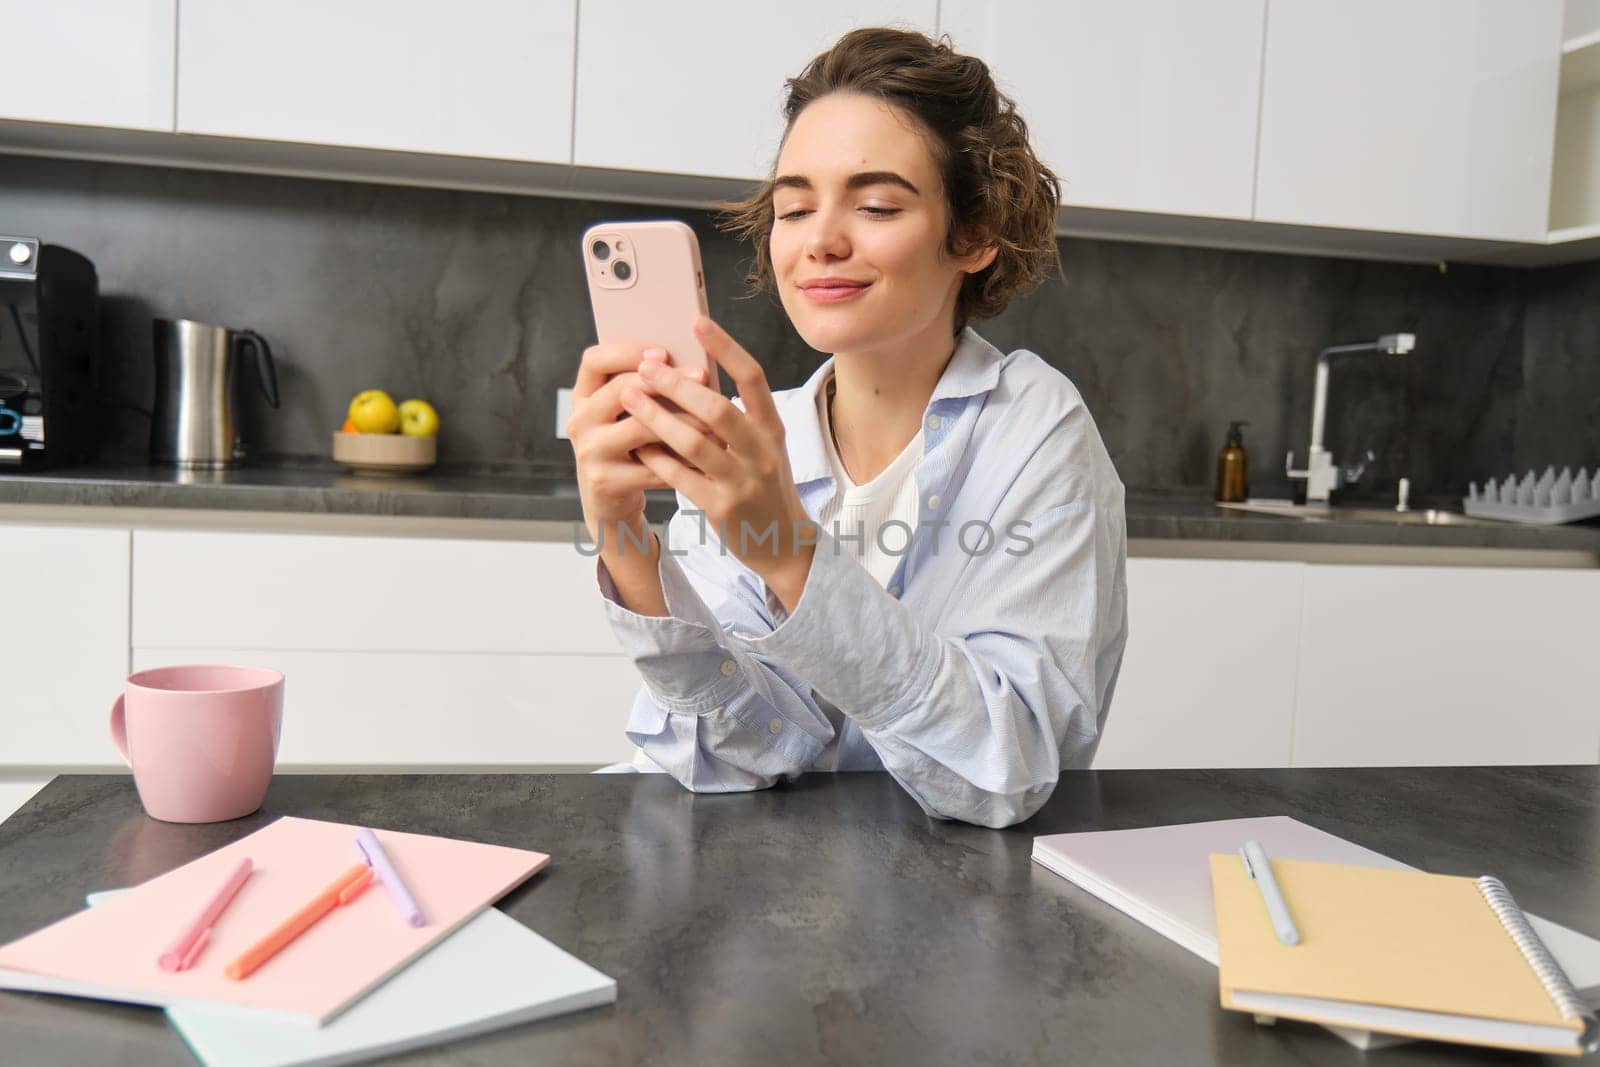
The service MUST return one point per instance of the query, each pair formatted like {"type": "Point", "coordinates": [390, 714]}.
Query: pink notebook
{"type": "Point", "coordinates": [110, 952]}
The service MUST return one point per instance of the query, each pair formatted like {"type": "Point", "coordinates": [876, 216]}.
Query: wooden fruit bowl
{"type": "Point", "coordinates": [384, 453]}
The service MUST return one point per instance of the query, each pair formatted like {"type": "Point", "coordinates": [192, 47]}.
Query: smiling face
{"type": "Point", "coordinates": [857, 200]}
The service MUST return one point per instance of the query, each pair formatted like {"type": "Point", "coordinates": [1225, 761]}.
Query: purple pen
{"type": "Point", "coordinates": [378, 860]}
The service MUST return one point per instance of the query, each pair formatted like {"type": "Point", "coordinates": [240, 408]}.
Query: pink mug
{"type": "Point", "coordinates": [201, 739]}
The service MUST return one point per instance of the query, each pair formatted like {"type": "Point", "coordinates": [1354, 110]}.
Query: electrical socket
{"type": "Point", "coordinates": [563, 411]}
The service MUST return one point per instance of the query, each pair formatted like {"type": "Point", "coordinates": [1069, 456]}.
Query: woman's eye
{"type": "Point", "coordinates": [877, 212]}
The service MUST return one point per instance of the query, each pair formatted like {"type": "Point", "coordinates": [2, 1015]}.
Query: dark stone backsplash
{"type": "Point", "coordinates": [476, 302]}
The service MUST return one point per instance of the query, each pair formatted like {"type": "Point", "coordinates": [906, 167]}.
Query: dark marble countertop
{"type": "Point", "coordinates": [827, 921]}
{"type": "Point", "coordinates": [549, 493]}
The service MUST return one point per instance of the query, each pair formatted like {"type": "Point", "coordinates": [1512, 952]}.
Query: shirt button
{"type": "Point", "coordinates": [933, 422]}
{"type": "Point", "coordinates": [894, 590]}
{"type": "Point", "coordinates": [728, 668]}
{"type": "Point", "coordinates": [774, 726]}
{"type": "Point", "coordinates": [933, 501]}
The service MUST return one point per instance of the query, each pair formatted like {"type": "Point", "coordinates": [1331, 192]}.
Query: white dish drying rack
{"type": "Point", "coordinates": [1545, 499]}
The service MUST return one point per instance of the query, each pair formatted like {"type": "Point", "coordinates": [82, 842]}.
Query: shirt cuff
{"type": "Point", "coordinates": [680, 659]}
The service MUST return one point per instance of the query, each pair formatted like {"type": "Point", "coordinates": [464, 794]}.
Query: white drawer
{"type": "Point", "coordinates": [1448, 666]}
{"type": "Point", "coordinates": [207, 589]}
{"type": "Point", "coordinates": [401, 708]}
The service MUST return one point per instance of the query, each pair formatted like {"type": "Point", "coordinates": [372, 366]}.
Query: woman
{"type": "Point", "coordinates": [915, 561]}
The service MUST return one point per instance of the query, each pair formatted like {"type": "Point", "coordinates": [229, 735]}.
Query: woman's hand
{"type": "Point", "coordinates": [606, 441]}
{"type": "Point", "coordinates": [733, 465]}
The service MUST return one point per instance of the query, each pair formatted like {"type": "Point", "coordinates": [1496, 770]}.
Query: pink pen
{"type": "Point", "coordinates": [182, 952]}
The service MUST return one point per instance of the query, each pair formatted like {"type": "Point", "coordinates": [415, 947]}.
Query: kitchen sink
{"type": "Point", "coordinates": [1414, 517]}
{"type": "Point", "coordinates": [1325, 513]}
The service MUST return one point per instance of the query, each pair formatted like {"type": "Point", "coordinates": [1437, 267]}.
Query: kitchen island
{"type": "Point", "coordinates": [829, 920]}
{"type": "Point", "coordinates": [1255, 640]}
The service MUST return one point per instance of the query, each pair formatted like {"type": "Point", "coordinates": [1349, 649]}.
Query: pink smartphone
{"type": "Point", "coordinates": [646, 284]}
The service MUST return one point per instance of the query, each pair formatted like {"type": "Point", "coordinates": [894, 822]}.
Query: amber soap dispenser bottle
{"type": "Point", "coordinates": [1233, 472]}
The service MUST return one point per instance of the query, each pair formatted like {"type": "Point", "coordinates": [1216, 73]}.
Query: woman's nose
{"type": "Point", "coordinates": [827, 239]}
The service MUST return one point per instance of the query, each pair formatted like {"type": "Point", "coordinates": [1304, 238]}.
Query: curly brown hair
{"type": "Point", "coordinates": [997, 190]}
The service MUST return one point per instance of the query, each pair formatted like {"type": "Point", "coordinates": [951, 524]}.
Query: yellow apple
{"type": "Point", "coordinates": [418, 419]}
{"type": "Point", "coordinates": [373, 411]}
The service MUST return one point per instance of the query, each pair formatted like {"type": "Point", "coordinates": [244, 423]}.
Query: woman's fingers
{"type": "Point", "coordinates": [615, 440]}
{"type": "Point", "coordinates": [600, 362]}
{"type": "Point", "coordinates": [677, 474]}
{"type": "Point", "coordinates": [604, 406]}
{"type": "Point", "coordinates": [625, 477]}
{"type": "Point", "coordinates": [713, 411]}
{"type": "Point", "coordinates": [744, 370]}
{"type": "Point", "coordinates": [698, 448]}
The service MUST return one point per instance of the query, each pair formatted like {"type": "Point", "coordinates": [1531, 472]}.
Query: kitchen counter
{"type": "Point", "coordinates": [828, 921]}
{"type": "Point", "coordinates": [550, 495]}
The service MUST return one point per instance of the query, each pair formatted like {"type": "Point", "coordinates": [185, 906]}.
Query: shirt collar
{"type": "Point", "coordinates": [974, 369]}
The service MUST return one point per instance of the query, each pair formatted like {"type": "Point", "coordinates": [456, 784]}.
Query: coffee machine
{"type": "Point", "coordinates": [50, 383]}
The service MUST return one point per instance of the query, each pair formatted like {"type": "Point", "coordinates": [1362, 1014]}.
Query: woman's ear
{"type": "Point", "coordinates": [981, 255]}
{"type": "Point", "coordinates": [981, 259]}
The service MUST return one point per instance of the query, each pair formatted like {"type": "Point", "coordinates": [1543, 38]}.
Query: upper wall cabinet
{"type": "Point", "coordinates": [1139, 105]}
{"type": "Point", "coordinates": [488, 78]}
{"type": "Point", "coordinates": [664, 89]}
{"type": "Point", "coordinates": [1428, 116]}
{"type": "Point", "coordinates": [88, 62]}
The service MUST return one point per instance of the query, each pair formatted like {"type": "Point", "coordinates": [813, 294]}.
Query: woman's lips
{"type": "Point", "coordinates": [833, 294]}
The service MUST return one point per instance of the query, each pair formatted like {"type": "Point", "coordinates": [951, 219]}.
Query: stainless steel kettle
{"type": "Point", "coordinates": [197, 371]}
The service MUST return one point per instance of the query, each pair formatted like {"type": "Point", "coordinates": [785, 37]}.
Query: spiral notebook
{"type": "Point", "coordinates": [1401, 952]}
{"type": "Point", "coordinates": [1161, 876]}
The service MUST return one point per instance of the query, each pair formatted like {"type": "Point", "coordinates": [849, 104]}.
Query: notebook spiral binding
{"type": "Point", "coordinates": [1544, 965]}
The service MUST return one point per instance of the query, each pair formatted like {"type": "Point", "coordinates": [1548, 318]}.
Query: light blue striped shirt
{"type": "Point", "coordinates": [983, 669]}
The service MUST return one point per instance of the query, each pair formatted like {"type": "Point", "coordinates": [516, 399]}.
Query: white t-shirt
{"type": "Point", "coordinates": [867, 509]}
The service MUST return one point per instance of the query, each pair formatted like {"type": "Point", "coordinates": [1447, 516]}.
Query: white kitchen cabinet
{"type": "Point", "coordinates": [1140, 105]}
{"type": "Point", "coordinates": [397, 650]}
{"type": "Point", "coordinates": [488, 78]}
{"type": "Point", "coordinates": [88, 62]}
{"type": "Point", "coordinates": [432, 709]}
{"type": "Point", "coordinates": [212, 589]}
{"type": "Point", "coordinates": [1208, 675]}
{"type": "Point", "coordinates": [1408, 666]}
{"type": "Point", "coordinates": [63, 642]}
{"type": "Point", "coordinates": [664, 89]}
{"type": "Point", "coordinates": [1428, 117]}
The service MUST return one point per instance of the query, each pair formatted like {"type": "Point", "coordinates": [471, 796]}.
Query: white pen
{"type": "Point", "coordinates": [1259, 868]}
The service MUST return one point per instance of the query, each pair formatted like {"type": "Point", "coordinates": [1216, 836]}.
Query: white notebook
{"type": "Point", "coordinates": [1161, 876]}
{"type": "Point", "coordinates": [492, 973]}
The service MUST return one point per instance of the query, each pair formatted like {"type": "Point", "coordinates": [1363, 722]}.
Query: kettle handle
{"type": "Point", "coordinates": [264, 368]}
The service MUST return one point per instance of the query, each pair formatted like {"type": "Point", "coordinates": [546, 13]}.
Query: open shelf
{"type": "Point", "coordinates": [1580, 63]}
{"type": "Point", "coordinates": [1575, 178]}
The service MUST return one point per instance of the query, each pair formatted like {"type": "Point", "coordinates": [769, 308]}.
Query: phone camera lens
{"type": "Point", "coordinates": [601, 250]}
{"type": "Point", "coordinates": [622, 271]}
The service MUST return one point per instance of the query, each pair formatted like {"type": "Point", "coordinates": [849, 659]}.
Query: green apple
{"type": "Point", "coordinates": [418, 419]}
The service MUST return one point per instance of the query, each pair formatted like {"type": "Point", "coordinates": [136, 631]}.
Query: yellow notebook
{"type": "Point", "coordinates": [1397, 951]}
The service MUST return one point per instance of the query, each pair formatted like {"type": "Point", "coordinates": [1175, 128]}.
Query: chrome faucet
{"type": "Point", "coordinates": [1321, 474]}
